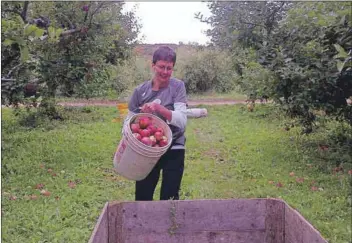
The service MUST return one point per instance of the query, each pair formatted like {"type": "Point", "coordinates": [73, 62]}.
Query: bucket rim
{"type": "Point", "coordinates": [132, 118]}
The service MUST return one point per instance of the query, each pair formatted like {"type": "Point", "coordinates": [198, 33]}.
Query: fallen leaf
{"type": "Point", "coordinates": [300, 180]}
{"type": "Point", "coordinates": [45, 193]}
{"type": "Point", "coordinates": [271, 182]}
{"type": "Point", "coordinates": [42, 166]}
{"type": "Point", "coordinates": [338, 169]}
{"type": "Point", "coordinates": [33, 197]}
{"type": "Point", "coordinates": [71, 184]}
{"type": "Point", "coordinates": [279, 184]}
{"type": "Point", "coordinates": [314, 188]}
{"type": "Point", "coordinates": [13, 198]}
{"type": "Point", "coordinates": [50, 170]}
{"type": "Point", "coordinates": [323, 147]}
{"type": "Point", "coordinates": [54, 174]}
{"type": "Point", "coordinates": [292, 173]}
{"type": "Point", "coordinates": [39, 186]}
{"type": "Point", "coordinates": [57, 198]}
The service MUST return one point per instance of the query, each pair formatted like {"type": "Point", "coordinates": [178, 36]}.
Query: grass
{"type": "Point", "coordinates": [230, 154]}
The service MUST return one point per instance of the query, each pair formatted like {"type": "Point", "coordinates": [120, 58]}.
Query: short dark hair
{"type": "Point", "coordinates": [164, 53]}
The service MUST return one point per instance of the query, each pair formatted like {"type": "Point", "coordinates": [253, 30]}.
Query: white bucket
{"type": "Point", "coordinates": [135, 160]}
{"type": "Point", "coordinates": [197, 112]}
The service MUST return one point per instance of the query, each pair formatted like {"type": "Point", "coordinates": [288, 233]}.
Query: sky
{"type": "Point", "coordinates": [171, 22]}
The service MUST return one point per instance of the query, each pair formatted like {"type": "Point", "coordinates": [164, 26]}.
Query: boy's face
{"type": "Point", "coordinates": [163, 70]}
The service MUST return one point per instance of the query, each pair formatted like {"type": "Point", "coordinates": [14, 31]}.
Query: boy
{"type": "Point", "coordinates": [165, 97]}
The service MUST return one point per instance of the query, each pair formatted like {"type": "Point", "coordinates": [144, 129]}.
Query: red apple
{"type": "Point", "coordinates": [138, 136]}
{"type": "Point", "coordinates": [152, 138]}
{"type": "Point", "coordinates": [146, 141]}
{"type": "Point", "coordinates": [134, 128]}
{"type": "Point", "coordinates": [144, 122]}
{"type": "Point", "coordinates": [144, 133]}
{"type": "Point", "coordinates": [158, 136]}
{"type": "Point", "coordinates": [163, 141]}
{"type": "Point", "coordinates": [152, 129]}
{"type": "Point", "coordinates": [159, 129]}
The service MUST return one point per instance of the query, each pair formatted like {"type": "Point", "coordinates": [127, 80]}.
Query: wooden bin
{"type": "Point", "coordinates": [203, 221]}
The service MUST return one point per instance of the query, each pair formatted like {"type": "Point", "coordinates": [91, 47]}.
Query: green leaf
{"type": "Point", "coordinates": [39, 32]}
{"type": "Point", "coordinates": [341, 52]}
{"type": "Point", "coordinates": [19, 19]}
{"type": "Point", "coordinates": [24, 53]}
{"type": "Point", "coordinates": [339, 65]}
{"type": "Point", "coordinates": [321, 22]}
{"type": "Point", "coordinates": [343, 19]}
{"type": "Point", "coordinates": [29, 29]}
{"type": "Point", "coordinates": [7, 42]}
{"type": "Point", "coordinates": [20, 41]}
{"type": "Point", "coordinates": [3, 22]}
{"type": "Point", "coordinates": [311, 14]}
{"type": "Point", "coordinates": [51, 31]}
{"type": "Point", "coordinates": [58, 32]}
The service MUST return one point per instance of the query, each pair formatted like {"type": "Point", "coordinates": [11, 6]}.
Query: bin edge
{"type": "Point", "coordinates": [104, 212]}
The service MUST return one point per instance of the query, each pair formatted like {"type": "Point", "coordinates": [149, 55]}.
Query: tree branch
{"type": "Point", "coordinates": [243, 22]}
{"type": "Point", "coordinates": [12, 69]}
{"type": "Point", "coordinates": [276, 10]}
{"type": "Point", "coordinates": [95, 11]}
{"type": "Point", "coordinates": [23, 14]}
{"type": "Point", "coordinates": [270, 19]}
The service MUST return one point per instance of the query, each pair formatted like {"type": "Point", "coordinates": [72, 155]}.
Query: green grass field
{"type": "Point", "coordinates": [230, 154]}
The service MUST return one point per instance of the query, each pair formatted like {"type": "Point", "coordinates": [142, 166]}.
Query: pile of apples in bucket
{"type": "Point", "coordinates": [147, 133]}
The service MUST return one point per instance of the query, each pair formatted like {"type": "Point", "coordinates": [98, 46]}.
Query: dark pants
{"type": "Point", "coordinates": [172, 164]}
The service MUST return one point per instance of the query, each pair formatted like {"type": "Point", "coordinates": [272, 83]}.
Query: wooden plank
{"type": "Point", "coordinates": [115, 222]}
{"type": "Point", "coordinates": [199, 237]}
{"type": "Point", "coordinates": [100, 232]}
{"type": "Point", "coordinates": [194, 216]}
{"type": "Point", "coordinates": [293, 227]}
{"type": "Point", "coordinates": [299, 230]}
{"type": "Point", "coordinates": [275, 221]}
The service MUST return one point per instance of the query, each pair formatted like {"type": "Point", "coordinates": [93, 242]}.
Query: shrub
{"type": "Point", "coordinates": [206, 70]}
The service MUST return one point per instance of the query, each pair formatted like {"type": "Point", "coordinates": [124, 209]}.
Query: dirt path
{"type": "Point", "coordinates": [114, 102]}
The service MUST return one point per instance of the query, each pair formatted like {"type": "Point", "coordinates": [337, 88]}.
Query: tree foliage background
{"type": "Point", "coordinates": [62, 48]}
{"type": "Point", "coordinates": [298, 54]}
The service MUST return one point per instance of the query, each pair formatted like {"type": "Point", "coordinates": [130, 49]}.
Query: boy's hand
{"type": "Point", "coordinates": [153, 107]}
{"type": "Point", "coordinates": [150, 107]}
